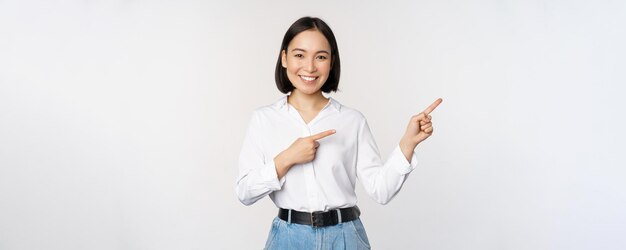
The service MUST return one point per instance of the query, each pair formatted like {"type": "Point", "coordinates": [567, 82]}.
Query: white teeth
{"type": "Point", "coordinates": [307, 78]}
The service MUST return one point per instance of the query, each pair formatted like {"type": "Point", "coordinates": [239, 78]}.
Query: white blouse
{"type": "Point", "coordinates": [328, 181]}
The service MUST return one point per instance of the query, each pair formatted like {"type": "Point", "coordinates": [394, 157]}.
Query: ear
{"type": "Point", "coordinates": [283, 58]}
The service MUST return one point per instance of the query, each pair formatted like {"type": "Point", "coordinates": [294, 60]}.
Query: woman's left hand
{"type": "Point", "coordinates": [420, 127]}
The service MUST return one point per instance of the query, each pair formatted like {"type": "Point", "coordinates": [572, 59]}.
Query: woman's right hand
{"type": "Point", "coordinates": [301, 151]}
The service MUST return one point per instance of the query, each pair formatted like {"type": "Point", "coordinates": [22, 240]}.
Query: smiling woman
{"type": "Point", "coordinates": [308, 39]}
{"type": "Point", "coordinates": [308, 61]}
{"type": "Point", "coordinates": [305, 151]}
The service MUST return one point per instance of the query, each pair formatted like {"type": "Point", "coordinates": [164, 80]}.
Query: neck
{"type": "Point", "coordinates": [307, 102]}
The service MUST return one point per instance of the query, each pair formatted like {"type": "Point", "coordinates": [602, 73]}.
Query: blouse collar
{"type": "Point", "coordinates": [282, 103]}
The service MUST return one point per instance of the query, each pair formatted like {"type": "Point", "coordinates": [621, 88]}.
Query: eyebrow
{"type": "Point", "coordinates": [321, 51]}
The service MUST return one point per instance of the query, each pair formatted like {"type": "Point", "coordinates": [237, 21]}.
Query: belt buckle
{"type": "Point", "coordinates": [314, 222]}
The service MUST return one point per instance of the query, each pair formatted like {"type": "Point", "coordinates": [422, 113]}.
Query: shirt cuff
{"type": "Point", "coordinates": [271, 177]}
{"type": "Point", "coordinates": [399, 162]}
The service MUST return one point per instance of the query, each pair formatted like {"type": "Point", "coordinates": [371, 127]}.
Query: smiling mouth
{"type": "Point", "coordinates": [308, 78]}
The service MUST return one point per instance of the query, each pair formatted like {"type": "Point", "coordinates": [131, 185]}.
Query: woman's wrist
{"type": "Point", "coordinates": [408, 143]}
{"type": "Point", "coordinates": [282, 165]}
{"type": "Point", "coordinates": [407, 146]}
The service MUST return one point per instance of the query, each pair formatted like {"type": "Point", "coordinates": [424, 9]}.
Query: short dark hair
{"type": "Point", "coordinates": [303, 24]}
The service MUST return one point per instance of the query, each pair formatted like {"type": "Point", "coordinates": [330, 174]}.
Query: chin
{"type": "Point", "coordinates": [308, 92]}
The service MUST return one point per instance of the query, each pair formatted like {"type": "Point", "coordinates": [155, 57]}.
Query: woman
{"type": "Point", "coordinates": [306, 151]}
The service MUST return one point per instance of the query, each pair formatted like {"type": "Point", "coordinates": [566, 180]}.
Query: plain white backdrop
{"type": "Point", "coordinates": [121, 121]}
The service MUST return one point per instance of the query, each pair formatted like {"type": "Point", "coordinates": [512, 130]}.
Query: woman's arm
{"type": "Point", "coordinates": [259, 177]}
{"type": "Point", "coordinates": [382, 181]}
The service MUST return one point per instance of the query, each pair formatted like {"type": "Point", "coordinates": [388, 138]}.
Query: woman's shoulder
{"type": "Point", "coordinates": [347, 111]}
{"type": "Point", "coordinates": [272, 107]}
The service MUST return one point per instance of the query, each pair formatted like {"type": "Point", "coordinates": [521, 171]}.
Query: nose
{"type": "Point", "coordinates": [310, 65]}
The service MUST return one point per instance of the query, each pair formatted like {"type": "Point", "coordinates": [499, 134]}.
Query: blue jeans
{"type": "Point", "coordinates": [347, 235]}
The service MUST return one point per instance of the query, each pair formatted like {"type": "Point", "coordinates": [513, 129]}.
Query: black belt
{"type": "Point", "coordinates": [320, 219]}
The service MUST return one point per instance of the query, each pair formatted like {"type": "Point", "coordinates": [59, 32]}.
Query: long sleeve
{"type": "Point", "coordinates": [381, 181]}
{"type": "Point", "coordinates": [257, 174]}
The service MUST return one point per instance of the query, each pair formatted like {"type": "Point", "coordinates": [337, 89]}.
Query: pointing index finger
{"type": "Point", "coordinates": [322, 134]}
{"type": "Point", "coordinates": [433, 106]}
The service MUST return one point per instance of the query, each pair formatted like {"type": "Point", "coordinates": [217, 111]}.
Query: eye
{"type": "Point", "coordinates": [298, 55]}
{"type": "Point", "coordinates": [321, 57]}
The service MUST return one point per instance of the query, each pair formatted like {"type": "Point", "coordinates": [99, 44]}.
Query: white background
{"type": "Point", "coordinates": [121, 121]}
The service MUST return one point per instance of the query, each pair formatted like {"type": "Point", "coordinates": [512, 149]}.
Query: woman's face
{"type": "Point", "coordinates": [307, 61]}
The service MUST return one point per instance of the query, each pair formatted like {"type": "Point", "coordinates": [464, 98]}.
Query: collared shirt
{"type": "Point", "coordinates": [328, 181]}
